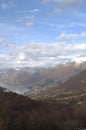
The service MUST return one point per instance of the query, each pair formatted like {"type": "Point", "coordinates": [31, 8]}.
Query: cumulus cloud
{"type": "Point", "coordinates": [21, 56]}
{"type": "Point", "coordinates": [64, 36]}
{"type": "Point", "coordinates": [79, 59]}
{"type": "Point", "coordinates": [43, 55]}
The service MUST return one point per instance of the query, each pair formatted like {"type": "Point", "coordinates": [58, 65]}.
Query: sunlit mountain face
{"type": "Point", "coordinates": [43, 33]}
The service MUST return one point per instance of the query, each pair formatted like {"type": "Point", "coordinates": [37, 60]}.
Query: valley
{"type": "Point", "coordinates": [43, 99]}
{"type": "Point", "coordinates": [22, 80]}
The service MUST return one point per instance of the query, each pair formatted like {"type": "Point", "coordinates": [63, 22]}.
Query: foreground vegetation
{"type": "Point", "coordinates": [22, 113]}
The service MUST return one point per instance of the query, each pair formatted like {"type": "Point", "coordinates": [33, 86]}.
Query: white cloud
{"type": "Point", "coordinates": [70, 3]}
{"type": "Point", "coordinates": [29, 24]}
{"type": "Point", "coordinates": [67, 36]}
{"type": "Point", "coordinates": [79, 59]}
{"type": "Point", "coordinates": [64, 36]}
{"type": "Point", "coordinates": [30, 17]}
{"type": "Point", "coordinates": [4, 5]}
{"type": "Point", "coordinates": [76, 24]}
{"type": "Point", "coordinates": [34, 10]}
{"type": "Point", "coordinates": [83, 34]}
{"type": "Point", "coordinates": [21, 56]}
{"type": "Point", "coordinates": [28, 20]}
{"type": "Point", "coordinates": [43, 54]}
{"type": "Point", "coordinates": [2, 40]}
{"type": "Point", "coordinates": [58, 10]}
{"type": "Point", "coordinates": [62, 5]}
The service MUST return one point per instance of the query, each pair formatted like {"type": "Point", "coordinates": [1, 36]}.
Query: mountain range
{"type": "Point", "coordinates": [72, 90]}
{"type": "Point", "coordinates": [21, 80]}
{"type": "Point", "coordinates": [55, 98]}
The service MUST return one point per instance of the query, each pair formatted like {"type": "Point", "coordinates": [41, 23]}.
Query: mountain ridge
{"type": "Point", "coordinates": [40, 79]}
{"type": "Point", "coordinates": [74, 87]}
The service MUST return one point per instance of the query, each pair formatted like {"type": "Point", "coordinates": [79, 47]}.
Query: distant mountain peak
{"type": "Point", "coordinates": [78, 60]}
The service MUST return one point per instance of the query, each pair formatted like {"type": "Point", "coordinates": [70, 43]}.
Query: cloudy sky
{"type": "Point", "coordinates": [42, 32]}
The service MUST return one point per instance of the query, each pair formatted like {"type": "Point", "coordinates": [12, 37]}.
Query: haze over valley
{"type": "Point", "coordinates": [23, 80]}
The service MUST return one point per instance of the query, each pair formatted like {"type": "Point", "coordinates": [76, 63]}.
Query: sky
{"type": "Point", "coordinates": [42, 33]}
